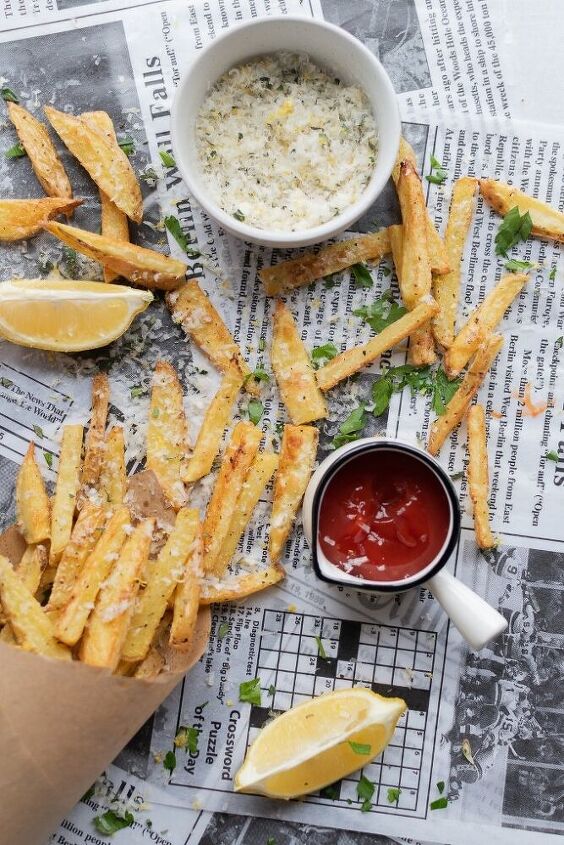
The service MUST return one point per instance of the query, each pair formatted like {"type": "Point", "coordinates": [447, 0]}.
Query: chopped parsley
{"type": "Point", "coordinates": [381, 313]}
{"type": "Point", "coordinates": [321, 648]}
{"type": "Point", "coordinates": [321, 354]}
{"type": "Point", "coordinates": [255, 410]}
{"type": "Point", "coordinates": [552, 455]}
{"type": "Point", "coordinates": [271, 690]}
{"type": "Point", "coordinates": [441, 786]}
{"type": "Point", "coordinates": [167, 159]}
{"type": "Point", "coordinates": [394, 793]}
{"type": "Point", "coordinates": [362, 276]}
{"type": "Point", "coordinates": [48, 459]}
{"type": "Point", "coordinates": [442, 391]}
{"type": "Point", "coordinates": [127, 145]}
{"type": "Point", "coordinates": [360, 747]}
{"type": "Point", "coordinates": [331, 792]}
{"type": "Point", "coordinates": [351, 428]}
{"type": "Point", "coordinates": [559, 342]}
{"type": "Point", "coordinates": [223, 630]}
{"type": "Point", "coordinates": [238, 215]}
{"type": "Point", "coordinates": [39, 431]}
{"type": "Point", "coordinates": [261, 344]}
{"type": "Point", "coordinates": [439, 803]}
{"type": "Point", "coordinates": [421, 380]}
{"type": "Point", "coordinates": [187, 738]}
{"type": "Point", "coordinates": [17, 151]}
{"type": "Point", "coordinates": [70, 260]}
{"type": "Point", "coordinates": [169, 762]}
{"type": "Point", "coordinates": [271, 841]}
{"type": "Point", "coordinates": [514, 228]}
{"type": "Point", "coordinates": [110, 822]}
{"type": "Point", "coordinates": [6, 382]}
{"type": "Point", "coordinates": [173, 225]}
{"type": "Point", "coordinates": [552, 274]}
{"type": "Point", "coordinates": [8, 95]}
{"type": "Point", "coordinates": [149, 176]}
{"type": "Point", "coordinates": [438, 174]}
{"type": "Point", "coordinates": [456, 476]}
{"type": "Point", "coordinates": [365, 791]}
{"type": "Point", "coordinates": [138, 391]}
{"type": "Point", "coordinates": [514, 266]}
{"type": "Point", "coordinates": [259, 374]}
{"type": "Point", "coordinates": [250, 691]}
{"type": "Point", "coordinates": [385, 270]}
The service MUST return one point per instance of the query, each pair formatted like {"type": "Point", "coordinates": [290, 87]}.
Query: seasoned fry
{"type": "Point", "coordinates": [237, 459]}
{"type": "Point", "coordinates": [164, 576]}
{"type": "Point", "coordinates": [155, 662]}
{"type": "Point", "coordinates": [446, 288]}
{"type": "Point", "coordinates": [107, 627]}
{"type": "Point", "coordinates": [41, 152]}
{"type": "Point", "coordinates": [460, 402]}
{"type": "Point", "coordinates": [421, 343]}
{"type": "Point", "coordinates": [482, 321]}
{"type": "Point", "coordinates": [167, 434]}
{"type": "Point", "coordinates": [547, 221]}
{"type": "Point", "coordinates": [20, 219]}
{"type": "Point", "coordinates": [294, 373]}
{"type": "Point", "coordinates": [113, 475]}
{"type": "Point", "coordinates": [31, 567]}
{"type": "Point", "coordinates": [142, 266]}
{"type": "Point", "coordinates": [261, 471]}
{"type": "Point", "coordinates": [187, 595]}
{"type": "Point", "coordinates": [478, 476]}
{"type": "Point", "coordinates": [106, 163]}
{"type": "Point", "coordinates": [330, 259]}
{"type": "Point", "coordinates": [94, 441]}
{"type": "Point", "coordinates": [242, 585]}
{"type": "Point", "coordinates": [297, 458]}
{"type": "Point", "coordinates": [353, 360]}
{"type": "Point", "coordinates": [193, 310]}
{"type": "Point", "coordinates": [33, 511]}
{"type": "Point", "coordinates": [213, 425]}
{"type": "Point", "coordinates": [85, 534]}
{"type": "Point", "coordinates": [29, 624]}
{"type": "Point", "coordinates": [114, 221]}
{"type": "Point", "coordinates": [96, 569]}
{"type": "Point", "coordinates": [64, 501]}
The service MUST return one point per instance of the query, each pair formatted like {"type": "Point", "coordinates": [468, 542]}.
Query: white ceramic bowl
{"type": "Point", "coordinates": [328, 46]}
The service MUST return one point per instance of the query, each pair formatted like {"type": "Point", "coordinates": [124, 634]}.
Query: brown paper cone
{"type": "Point", "coordinates": [61, 724]}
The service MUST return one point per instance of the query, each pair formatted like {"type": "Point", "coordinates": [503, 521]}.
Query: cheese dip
{"type": "Point", "coordinates": [282, 145]}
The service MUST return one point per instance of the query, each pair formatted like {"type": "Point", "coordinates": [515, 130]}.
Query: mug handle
{"type": "Point", "coordinates": [476, 620]}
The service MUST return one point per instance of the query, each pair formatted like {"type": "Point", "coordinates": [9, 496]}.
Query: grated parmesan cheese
{"type": "Point", "coordinates": [283, 145]}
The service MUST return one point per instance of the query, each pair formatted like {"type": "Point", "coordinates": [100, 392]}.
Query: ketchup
{"type": "Point", "coordinates": [383, 517]}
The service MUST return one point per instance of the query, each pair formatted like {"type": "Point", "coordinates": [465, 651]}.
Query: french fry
{"type": "Point", "coordinates": [354, 359]}
{"type": "Point", "coordinates": [297, 458]}
{"type": "Point", "coordinates": [33, 510]}
{"type": "Point", "coordinates": [193, 310]}
{"type": "Point", "coordinates": [421, 344]}
{"type": "Point", "coordinates": [478, 476]}
{"type": "Point", "coordinates": [187, 595]}
{"type": "Point", "coordinates": [107, 627]}
{"type": "Point", "coordinates": [113, 475]}
{"type": "Point", "coordinates": [241, 585]}
{"type": "Point", "coordinates": [330, 259]}
{"type": "Point", "coordinates": [213, 426]}
{"type": "Point", "coordinates": [94, 572]}
{"type": "Point", "coordinates": [446, 288]}
{"type": "Point", "coordinates": [414, 268]}
{"type": "Point", "coordinates": [144, 267]}
{"type": "Point", "coordinates": [260, 472]}
{"type": "Point", "coordinates": [29, 624]}
{"type": "Point", "coordinates": [482, 321]}
{"type": "Point", "coordinates": [458, 406]}
{"type": "Point", "coordinates": [31, 567]}
{"type": "Point", "coordinates": [64, 501]}
{"type": "Point", "coordinates": [41, 152]}
{"type": "Point", "coordinates": [94, 440]}
{"type": "Point", "coordinates": [87, 531]}
{"type": "Point", "coordinates": [114, 221]}
{"type": "Point", "coordinates": [106, 163]}
{"type": "Point", "coordinates": [167, 434]}
{"type": "Point", "coordinates": [237, 459]}
{"type": "Point", "coordinates": [154, 663]}
{"type": "Point", "coordinates": [20, 219]}
{"type": "Point", "coordinates": [164, 576]}
{"type": "Point", "coordinates": [547, 221]}
{"type": "Point", "coordinates": [294, 373]}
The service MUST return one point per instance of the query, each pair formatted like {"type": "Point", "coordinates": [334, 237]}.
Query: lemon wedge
{"type": "Point", "coordinates": [319, 742]}
{"type": "Point", "coordinates": [64, 315]}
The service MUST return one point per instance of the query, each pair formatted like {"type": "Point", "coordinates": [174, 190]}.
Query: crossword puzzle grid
{"type": "Point", "coordinates": [390, 661]}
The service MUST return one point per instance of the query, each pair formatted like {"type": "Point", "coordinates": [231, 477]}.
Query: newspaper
{"type": "Point", "coordinates": [504, 704]}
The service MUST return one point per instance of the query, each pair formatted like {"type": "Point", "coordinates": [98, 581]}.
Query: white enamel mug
{"type": "Point", "coordinates": [476, 620]}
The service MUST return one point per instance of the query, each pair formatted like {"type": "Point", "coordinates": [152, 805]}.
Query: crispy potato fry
{"type": "Point", "coordinates": [421, 343]}
{"type": "Point", "coordinates": [294, 374]}
{"type": "Point", "coordinates": [94, 440]}
{"type": "Point", "coordinates": [106, 163]}
{"type": "Point", "coordinates": [297, 458]}
{"type": "Point", "coordinates": [187, 595]}
{"type": "Point", "coordinates": [113, 475]}
{"type": "Point", "coordinates": [353, 360]}
{"type": "Point", "coordinates": [458, 406]}
{"type": "Point", "coordinates": [260, 472]}
{"type": "Point", "coordinates": [107, 627]}
{"type": "Point", "coordinates": [330, 259]}
{"type": "Point", "coordinates": [94, 572]}
{"type": "Point", "coordinates": [482, 321]}
{"type": "Point", "coordinates": [478, 476]}
{"type": "Point", "coordinates": [143, 267]}
{"type": "Point", "coordinates": [213, 426]}
{"type": "Point", "coordinates": [64, 501]}
{"type": "Point", "coordinates": [241, 585]}
{"type": "Point", "coordinates": [192, 308]}
{"type": "Point", "coordinates": [31, 567]}
{"type": "Point", "coordinates": [163, 577]}
{"type": "Point", "coordinates": [155, 662]}
{"type": "Point", "coordinates": [114, 221]}
{"type": "Point", "coordinates": [237, 459]}
{"type": "Point", "coordinates": [20, 219]}
{"type": "Point", "coordinates": [33, 510]}
{"type": "Point", "coordinates": [29, 624]}
{"type": "Point", "coordinates": [41, 152]}
{"type": "Point", "coordinates": [446, 288]}
{"type": "Point", "coordinates": [167, 434]}
{"type": "Point", "coordinates": [85, 535]}
{"type": "Point", "coordinates": [547, 221]}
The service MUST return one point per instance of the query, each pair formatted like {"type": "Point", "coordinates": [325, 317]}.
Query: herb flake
{"type": "Point", "coordinates": [381, 313]}
{"type": "Point", "coordinates": [394, 793]}
{"type": "Point", "coordinates": [516, 266]}
{"type": "Point", "coordinates": [223, 630]}
{"type": "Point", "coordinates": [48, 459]}
{"type": "Point", "coordinates": [238, 215]}
{"type": "Point", "coordinates": [8, 95]}
{"type": "Point", "coordinates": [169, 762]}
{"type": "Point", "coordinates": [552, 455]}
{"type": "Point", "coordinates": [321, 648]}
{"type": "Point", "coordinates": [250, 691]}
{"type": "Point", "coordinates": [439, 803]}
{"type": "Point", "coordinates": [167, 159]}
{"type": "Point", "coordinates": [172, 224]}
{"type": "Point", "coordinates": [255, 410]}
{"type": "Point", "coordinates": [351, 428]}
{"type": "Point", "coordinates": [17, 151]}
{"type": "Point", "coordinates": [365, 792]}
{"type": "Point", "coordinates": [514, 228]}
{"type": "Point", "coordinates": [127, 146]}
{"type": "Point", "coordinates": [110, 822]}
{"type": "Point", "coordinates": [360, 747]}
{"type": "Point", "coordinates": [438, 174]}
{"type": "Point", "coordinates": [362, 276]}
